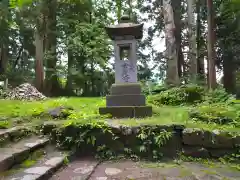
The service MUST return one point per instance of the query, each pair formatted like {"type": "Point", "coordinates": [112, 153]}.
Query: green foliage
{"type": "Point", "coordinates": [96, 137]}
{"type": "Point", "coordinates": [187, 94]}
{"type": "Point", "coordinates": [4, 124]}
{"type": "Point", "coordinates": [218, 95]}
{"type": "Point", "coordinates": [219, 113]}
{"type": "Point", "coordinates": [190, 94]}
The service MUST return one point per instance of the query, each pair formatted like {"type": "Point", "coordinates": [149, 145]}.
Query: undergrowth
{"type": "Point", "coordinates": [98, 138]}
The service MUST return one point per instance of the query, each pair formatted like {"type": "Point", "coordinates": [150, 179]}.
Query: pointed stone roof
{"type": "Point", "coordinates": [125, 28]}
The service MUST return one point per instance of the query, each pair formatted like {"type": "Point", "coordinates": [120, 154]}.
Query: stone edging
{"type": "Point", "coordinates": [190, 141]}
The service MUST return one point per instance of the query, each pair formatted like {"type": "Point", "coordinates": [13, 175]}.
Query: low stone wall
{"type": "Point", "coordinates": [206, 144]}
{"type": "Point", "coordinates": [190, 142]}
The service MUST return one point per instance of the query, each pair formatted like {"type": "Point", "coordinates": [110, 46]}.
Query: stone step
{"type": "Point", "coordinates": [15, 153]}
{"type": "Point", "coordinates": [78, 169]}
{"type": "Point", "coordinates": [13, 134]}
{"type": "Point", "coordinates": [43, 167]}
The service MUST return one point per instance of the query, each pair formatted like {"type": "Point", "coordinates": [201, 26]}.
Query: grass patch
{"type": "Point", "coordinates": [19, 112]}
{"type": "Point", "coordinates": [85, 109]}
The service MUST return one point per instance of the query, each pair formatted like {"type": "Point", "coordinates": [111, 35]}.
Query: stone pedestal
{"type": "Point", "coordinates": [126, 101]}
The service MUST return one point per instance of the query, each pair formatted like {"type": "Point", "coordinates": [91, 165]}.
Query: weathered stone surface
{"type": "Point", "coordinates": [198, 152]}
{"type": "Point", "coordinates": [37, 143]}
{"type": "Point", "coordinates": [217, 153]}
{"type": "Point", "coordinates": [6, 133]}
{"type": "Point", "coordinates": [127, 111]}
{"type": "Point", "coordinates": [49, 162]}
{"type": "Point", "coordinates": [101, 178]}
{"type": "Point", "coordinates": [236, 141]}
{"type": "Point", "coordinates": [80, 169]}
{"type": "Point", "coordinates": [18, 152]}
{"type": "Point", "coordinates": [25, 92]}
{"type": "Point", "coordinates": [193, 137]}
{"type": "Point", "coordinates": [27, 177]}
{"type": "Point", "coordinates": [55, 161]}
{"type": "Point", "coordinates": [217, 139]}
{"type": "Point", "coordinates": [38, 170]}
{"type": "Point", "coordinates": [6, 161]}
{"type": "Point", "coordinates": [157, 171]}
{"type": "Point", "coordinates": [112, 171]}
{"type": "Point", "coordinates": [173, 146]}
{"type": "Point", "coordinates": [84, 170]}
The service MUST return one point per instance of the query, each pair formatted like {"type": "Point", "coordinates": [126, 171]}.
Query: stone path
{"type": "Point", "coordinates": [128, 170]}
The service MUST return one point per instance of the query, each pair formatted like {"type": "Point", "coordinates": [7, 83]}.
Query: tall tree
{"type": "Point", "coordinates": [4, 38]}
{"type": "Point", "coordinates": [172, 76]}
{"type": "Point", "coordinates": [200, 42]}
{"type": "Point", "coordinates": [192, 40]}
{"type": "Point", "coordinates": [39, 45]}
{"type": "Point", "coordinates": [210, 44]}
{"type": "Point", "coordinates": [51, 81]}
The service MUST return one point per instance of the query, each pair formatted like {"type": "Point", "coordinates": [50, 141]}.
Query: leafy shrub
{"type": "Point", "coordinates": [218, 95]}
{"type": "Point", "coordinates": [219, 113]}
{"type": "Point", "coordinates": [187, 94]}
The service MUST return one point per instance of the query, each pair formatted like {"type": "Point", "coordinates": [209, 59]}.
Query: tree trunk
{"type": "Point", "coordinates": [176, 5]}
{"type": "Point", "coordinates": [52, 84]}
{"type": "Point", "coordinates": [211, 51]}
{"type": "Point", "coordinates": [171, 47]}
{"type": "Point", "coordinates": [192, 40]}
{"type": "Point", "coordinates": [229, 78]}
{"type": "Point", "coordinates": [3, 59]}
{"type": "Point", "coordinates": [39, 60]}
{"type": "Point", "coordinates": [69, 87]}
{"type": "Point", "coordinates": [200, 56]}
{"type": "Point", "coordinates": [4, 40]}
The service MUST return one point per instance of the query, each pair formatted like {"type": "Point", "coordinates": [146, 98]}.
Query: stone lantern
{"type": "Point", "coordinates": [125, 99]}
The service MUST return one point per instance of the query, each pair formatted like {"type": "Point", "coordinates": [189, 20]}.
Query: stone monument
{"type": "Point", "coordinates": [125, 99]}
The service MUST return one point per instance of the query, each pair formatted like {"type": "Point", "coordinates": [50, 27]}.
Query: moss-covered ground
{"type": "Point", "coordinates": [14, 113]}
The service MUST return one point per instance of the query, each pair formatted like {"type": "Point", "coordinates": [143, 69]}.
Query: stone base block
{"type": "Point", "coordinates": [127, 111]}
{"type": "Point", "coordinates": [121, 89]}
{"type": "Point", "coordinates": [126, 100]}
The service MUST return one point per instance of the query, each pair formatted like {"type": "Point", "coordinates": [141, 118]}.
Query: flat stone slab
{"type": "Point", "coordinates": [37, 170]}
{"type": "Point", "coordinates": [129, 170]}
{"type": "Point", "coordinates": [77, 170]}
{"type": "Point", "coordinates": [89, 169]}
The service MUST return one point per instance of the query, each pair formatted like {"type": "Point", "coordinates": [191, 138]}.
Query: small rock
{"type": "Point", "coordinates": [60, 112]}
{"type": "Point", "coordinates": [112, 171]}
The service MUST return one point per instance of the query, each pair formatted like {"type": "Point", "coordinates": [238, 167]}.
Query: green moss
{"type": "Point", "coordinates": [31, 161]}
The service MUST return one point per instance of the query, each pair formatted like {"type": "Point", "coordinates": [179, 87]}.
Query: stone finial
{"type": "Point", "coordinates": [125, 19]}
